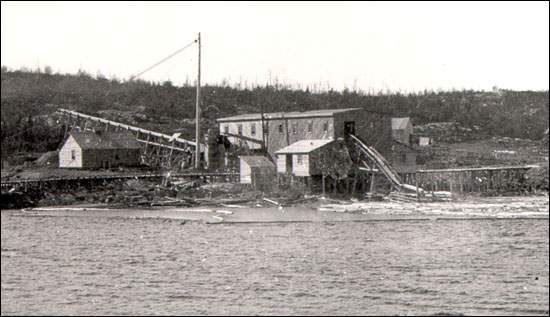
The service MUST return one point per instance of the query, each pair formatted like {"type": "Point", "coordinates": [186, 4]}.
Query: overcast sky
{"type": "Point", "coordinates": [368, 46]}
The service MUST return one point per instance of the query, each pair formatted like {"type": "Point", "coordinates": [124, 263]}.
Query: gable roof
{"type": "Point", "coordinates": [293, 114]}
{"type": "Point", "coordinates": [304, 146]}
{"type": "Point", "coordinates": [400, 123]}
{"type": "Point", "coordinates": [257, 161]}
{"type": "Point", "coordinates": [101, 140]}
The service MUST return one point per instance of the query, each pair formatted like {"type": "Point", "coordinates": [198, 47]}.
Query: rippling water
{"type": "Point", "coordinates": [99, 265]}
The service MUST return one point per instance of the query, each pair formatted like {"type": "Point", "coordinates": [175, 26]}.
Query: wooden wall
{"type": "Point", "coordinates": [245, 172]}
{"type": "Point", "coordinates": [281, 163]}
{"type": "Point", "coordinates": [95, 158]}
{"type": "Point", "coordinates": [65, 156]}
{"type": "Point", "coordinates": [278, 140]}
{"type": "Point", "coordinates": [300, 168]}
{"type": "Point", "coordinates": [374, 129]}
{"type": "Point", "coordinates": [247, 131]}
{"type": "Point", "coordinates": [403, 159]}
{"type": "Point", "coordinates": [264, 178]}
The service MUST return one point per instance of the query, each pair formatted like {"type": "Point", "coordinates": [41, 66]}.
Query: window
{"type": "Point", "coordinates": [404, 157]}
{"type": "Point", "coordinates": [240, 128]}
{"type": "Point", "coordinates": [280, 128]}
{"type": "Point", "coordinates": [299, 159]}
{"type": "Point", "coordinates": [226, 129]}
{"type": "Point", "coordinates": [294, 128]}
{"type": "Point", "coordinates": [325, 126]}
{"type": "Point", "coordinates": [73, 155]}
{"type": "Point", "coordinates": [310, 126]}
{"type": "Point", "coordinates": [253, 129]}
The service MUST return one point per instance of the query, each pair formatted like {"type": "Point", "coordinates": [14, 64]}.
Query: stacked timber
{"type": "Point", "coordinates": [437, 196]}
{"type": "Point", "coordinates": [175, 202]}
{"type": "Point", "coordinates": [402, 197]}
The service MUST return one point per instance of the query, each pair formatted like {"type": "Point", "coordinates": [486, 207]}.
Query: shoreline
{"type": "Point", "coordinates": [493, 208]}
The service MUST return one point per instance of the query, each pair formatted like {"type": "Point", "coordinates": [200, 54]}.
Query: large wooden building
{"type": "Point", "coordinates": [281, 129]}
{"type": "Point", "coordinates": [93, 150]}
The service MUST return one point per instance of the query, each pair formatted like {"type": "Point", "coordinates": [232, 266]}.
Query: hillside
{"type": "Point", "coordinates": [28, 97]}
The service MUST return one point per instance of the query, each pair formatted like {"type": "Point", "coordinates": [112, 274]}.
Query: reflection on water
{"type": "Point", "coordinates": [100, 265]}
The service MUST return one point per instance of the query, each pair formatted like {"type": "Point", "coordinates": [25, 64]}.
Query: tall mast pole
{"type": "Point", "coordinates": [264, 147]}
{"type": "Point", "coordinates": [198, 111]}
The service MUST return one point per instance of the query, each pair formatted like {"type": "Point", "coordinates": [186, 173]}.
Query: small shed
{"type": "Point", "coordinates": [257, 170]}
{"type": "Point", "coordinates": [299, 158]}
{"type": "Point", "coordinates": [424, 141]}
{"type": "Point", "coordinates": [100, 149]}
{"type": "Point", "coordinates": [402, 129]}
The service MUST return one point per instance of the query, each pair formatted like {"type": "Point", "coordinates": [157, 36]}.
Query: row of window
{"type": "Point", "coordinates": [240, 129]}
{"type": "Point", "coordinates": [294, 126]}
{"type": "Point", "coordinates": [281, 128]}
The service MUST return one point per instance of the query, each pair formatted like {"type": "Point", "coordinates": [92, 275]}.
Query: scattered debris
{"type": "Point", "coordinates": [271, 201]}
{"type": "Point", "coordinates": [218, 218]}
{"type": "Point", "coordinates": [232, 206]}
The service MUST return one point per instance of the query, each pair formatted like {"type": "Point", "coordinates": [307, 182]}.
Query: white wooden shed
{"type": "Point", "coordinates": [257, 170]}
{"type": "Point", "coordinates": [299, 158]}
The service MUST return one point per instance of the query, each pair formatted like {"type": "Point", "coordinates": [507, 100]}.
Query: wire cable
{"type": "Point", "coordinates": [162, 61]}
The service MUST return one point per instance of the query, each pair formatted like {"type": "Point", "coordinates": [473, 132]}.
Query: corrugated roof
{"type": "Point", "coordinates": [257, 161]}
{"type": "Point", "coordinates": [105, 140]}
{"type": "Point", "coordinates": [304, 146]}
{"type": "Point", "coordinates": [293, 114]}
{"type": "Point", "coordinates": [400, 123]}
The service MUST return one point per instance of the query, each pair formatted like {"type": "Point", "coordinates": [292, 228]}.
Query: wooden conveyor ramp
{"type": "Point", "coordinates": [173, 143]}
{"type": "Point", "coordinates": [380, 162]}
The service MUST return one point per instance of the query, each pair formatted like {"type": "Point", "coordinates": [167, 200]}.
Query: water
{"type": "Point", "coordinates": [125, 266]}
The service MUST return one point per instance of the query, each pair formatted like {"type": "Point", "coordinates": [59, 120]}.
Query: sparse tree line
{"type": "Point", "coordinates": [27, 94]}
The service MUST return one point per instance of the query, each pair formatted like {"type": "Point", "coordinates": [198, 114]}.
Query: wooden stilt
{"type": "Point", "coordinates": [372, 178]}
{"type": "Point", "coordinates": [323, 183]}
{"type": "Point", "coordinates": [416, 185]}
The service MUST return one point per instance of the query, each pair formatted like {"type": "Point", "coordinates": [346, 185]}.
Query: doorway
{"type": "Point", "coordinates": [289, 163]}
{"type": "Point", "coordinates": [349, 127]}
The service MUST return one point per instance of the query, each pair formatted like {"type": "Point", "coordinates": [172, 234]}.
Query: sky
{"type": "Point", "coordinates": [365, 46]}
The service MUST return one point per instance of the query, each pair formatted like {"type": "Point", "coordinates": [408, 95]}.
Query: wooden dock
{"type": "Point", "coordinates": [33, 182]}
{"type": "Point", "coordinates": [468, 180]}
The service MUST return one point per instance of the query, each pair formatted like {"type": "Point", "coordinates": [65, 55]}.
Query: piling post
{"type": "Point", "coordinates": [416, 185]}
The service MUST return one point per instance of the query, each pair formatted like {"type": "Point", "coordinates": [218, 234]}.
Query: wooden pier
{"type": "Point", "coordinates": [470, 180]}
{"type": "Point", "coordinates": [71, 181]}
